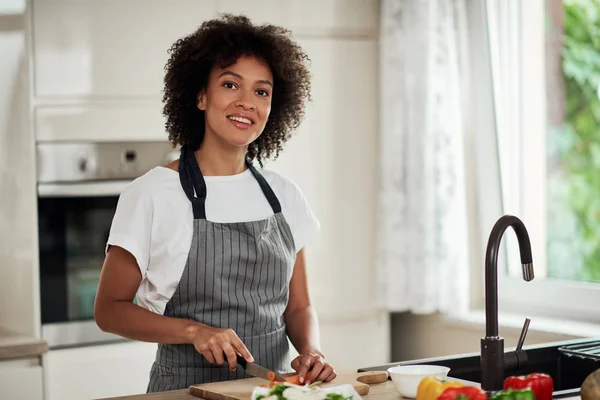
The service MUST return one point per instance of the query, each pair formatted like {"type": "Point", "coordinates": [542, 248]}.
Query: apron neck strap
{"type": "Point", "coordinates": [266, 188]}
{"type": "Point", "coordinates": [192, 182]}
{"type": "Point", "coordinates": [194, 186]}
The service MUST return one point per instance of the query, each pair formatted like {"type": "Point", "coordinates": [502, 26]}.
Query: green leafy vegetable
{"type": "Point", "coordinates": [278, 390]}
{"type": "Point", "coordinates": [335, 396]}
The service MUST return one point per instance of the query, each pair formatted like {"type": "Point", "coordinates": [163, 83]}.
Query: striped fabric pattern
{"type": "Point", "coordinates": [237, 276]}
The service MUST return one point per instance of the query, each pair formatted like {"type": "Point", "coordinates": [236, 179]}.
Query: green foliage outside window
{"type": "Point", "coordinates": [574, 152]}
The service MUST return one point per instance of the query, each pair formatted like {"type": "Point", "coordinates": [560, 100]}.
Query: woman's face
{"type": "Point", "coordinates": [237, 101]}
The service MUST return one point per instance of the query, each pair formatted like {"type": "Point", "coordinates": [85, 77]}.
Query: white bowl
{"type": "Point", "coordinates": [406, 378]}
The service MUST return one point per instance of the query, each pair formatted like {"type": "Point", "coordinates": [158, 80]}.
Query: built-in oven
{"type": "Point", "coordinates": [78, 187]}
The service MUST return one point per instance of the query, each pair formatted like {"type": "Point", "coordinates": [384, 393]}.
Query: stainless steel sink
{"type": "Point", "coordinates": [568, 362]}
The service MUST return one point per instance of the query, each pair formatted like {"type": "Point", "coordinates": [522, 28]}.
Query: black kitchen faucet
{"type": "Point", "coordinates": [493, 359]}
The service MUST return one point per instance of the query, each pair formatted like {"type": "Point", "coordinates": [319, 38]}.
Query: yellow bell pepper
{"type": "Point", "coordinates": [431, 387]}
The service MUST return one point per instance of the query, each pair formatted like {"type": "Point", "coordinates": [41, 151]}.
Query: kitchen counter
{"type": "Point", "coordinates": [378, 391]}
{"type": "Point", "coordinates": [18, 346]}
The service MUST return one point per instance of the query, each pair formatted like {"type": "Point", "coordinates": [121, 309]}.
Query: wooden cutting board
{"type": "Point", "coordinates": [241, 389]}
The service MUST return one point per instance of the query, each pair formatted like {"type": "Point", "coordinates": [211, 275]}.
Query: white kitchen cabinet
{"type": "Point", "coordinates": [100, 123]}
{"type": "Point", "coordinates": [107, 49]}
{"type": "Point", "coordinates": [21, 379]}
{"type": "Point", "coordinates": [311, 17]}
{"type": "Point", "coordinates": [12, 7]}
{"type": "Point", "coordinates": [102, 49]}
{"type": "Point", "coordinates": [98, 371]}
{"type": "Point", "coordinates": [336, 147]}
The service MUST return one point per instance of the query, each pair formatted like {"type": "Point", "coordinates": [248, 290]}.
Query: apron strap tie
{"type": "Point", "coordinates": [194, 186]}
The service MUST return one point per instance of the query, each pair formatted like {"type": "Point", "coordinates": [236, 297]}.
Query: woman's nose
{"type": "Point", "coordinates": [245, 101]}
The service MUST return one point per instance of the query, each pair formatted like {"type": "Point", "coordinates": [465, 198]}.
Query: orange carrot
{"type": "Point", "coordinates": [271, 376]}
{"type": "Point", "coordinates": [294, 379]}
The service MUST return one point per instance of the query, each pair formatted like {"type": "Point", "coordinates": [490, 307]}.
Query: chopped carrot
{"type": "Point", "coordinates": [264, 386]}
{"type": "Point", "coordinates": [294, 379]}
{"type": "Point", "coordinates": [271, 376]}
{"type": "Point", "coordinates": [272, 384]}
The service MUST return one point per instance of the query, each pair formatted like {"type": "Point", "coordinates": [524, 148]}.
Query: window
{"type": "Point", "coordinates": [573, 141]}
{"type": "Point", "coordinates": [545, 62]}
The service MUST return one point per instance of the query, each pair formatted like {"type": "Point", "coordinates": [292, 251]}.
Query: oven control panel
{"type": "Point", "coordinates": [76, 162]}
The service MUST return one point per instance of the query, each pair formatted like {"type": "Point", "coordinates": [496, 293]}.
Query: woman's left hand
{"type": "Point", "coordinates": [312, 367]}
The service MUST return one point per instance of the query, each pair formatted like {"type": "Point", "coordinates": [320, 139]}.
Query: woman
{"type": "Point", "coordinates": [213, 247]}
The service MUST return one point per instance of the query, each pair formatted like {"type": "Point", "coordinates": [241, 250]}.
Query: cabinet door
{"type": "Point", "coordinates": [310, 17]}
{"type": "Point", "coordinates": [334, 159]}
{"type": "Point", "coordinates": [108, 48]}
{"type": "Point", "coordinates": [100, 123]}
{"type": "Point", "coordinates": [99, 371]}
{"type": "Point", "coordinates": [21, 380]}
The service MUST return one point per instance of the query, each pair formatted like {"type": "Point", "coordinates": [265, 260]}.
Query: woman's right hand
{"type": "Point", "coordinates": [218, 344]}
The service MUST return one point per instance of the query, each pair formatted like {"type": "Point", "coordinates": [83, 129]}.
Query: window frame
{"type": "Point", "coordinates": [525, 110]}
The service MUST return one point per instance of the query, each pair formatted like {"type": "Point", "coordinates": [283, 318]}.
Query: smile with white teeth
{"type": "Point", "coordinates": [240, 119]}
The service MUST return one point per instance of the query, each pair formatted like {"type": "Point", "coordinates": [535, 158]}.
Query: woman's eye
{"type": "Point", "coordinates": [262, 93]}
{"type": "Point", "coordinates": [229, 85]}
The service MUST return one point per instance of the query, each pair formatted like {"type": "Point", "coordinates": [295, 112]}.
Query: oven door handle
{"type": "Point", "coordinates": [82, 189]}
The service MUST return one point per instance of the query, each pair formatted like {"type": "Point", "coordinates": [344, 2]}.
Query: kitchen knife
{"type": "Point", "coordinates": [258, 371]}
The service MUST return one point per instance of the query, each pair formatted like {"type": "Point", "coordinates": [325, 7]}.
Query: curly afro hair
{"type": "Point", "coordinates": [221, 42]}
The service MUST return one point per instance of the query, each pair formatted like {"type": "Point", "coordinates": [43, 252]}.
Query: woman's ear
{"type": "Point", "coordinates": [201, 101]}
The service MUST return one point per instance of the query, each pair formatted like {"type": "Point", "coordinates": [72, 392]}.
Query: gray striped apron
{"type": "Point", "coordinates": [236, 276]}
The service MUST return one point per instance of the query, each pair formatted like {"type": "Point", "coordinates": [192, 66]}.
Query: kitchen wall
{"type": "Point", "coordinates": [19, 309]}
{"type": "Point", "coordinates": [422, 336]}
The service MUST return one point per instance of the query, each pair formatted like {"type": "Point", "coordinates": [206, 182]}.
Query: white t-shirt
{"type": "Point", "coordinates": [154, 222]}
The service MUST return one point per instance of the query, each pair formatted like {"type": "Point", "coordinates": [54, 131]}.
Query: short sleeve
{"type": "Point", "coordinates": [300, 216]}
{"type": "Point", "coordinates": [132, 224]}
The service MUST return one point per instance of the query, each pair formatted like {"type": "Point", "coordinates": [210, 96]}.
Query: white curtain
{"type": "Point", "coordinates": [423, 264]}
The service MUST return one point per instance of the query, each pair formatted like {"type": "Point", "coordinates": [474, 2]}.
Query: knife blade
{"type": "Point", "coordinates": [258, 371]}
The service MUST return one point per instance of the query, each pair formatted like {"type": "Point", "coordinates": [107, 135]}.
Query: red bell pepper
{"type": "Point", "coordinates": [463, 393]}
{"type": "Point", "coordinates": [541, 384]}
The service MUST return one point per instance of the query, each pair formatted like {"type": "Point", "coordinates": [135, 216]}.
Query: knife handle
{"type": "Point", "coordinates": [241, 361]}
